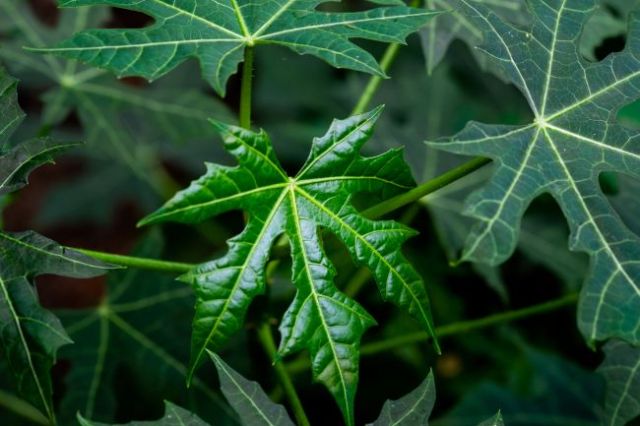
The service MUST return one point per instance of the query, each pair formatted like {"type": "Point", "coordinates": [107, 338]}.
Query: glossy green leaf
{"type": "Point", "coordinates": [140, 326]}
{"type": "Point", "coordinates": [621, 370]}
{"type": "Point", "coordinates": [440, 32]}
{"type": "Point", "coordinates": [31, 335]}
{"type": "Point", "coordinates": [321, 318]}
{"type": "Point", "coordinates": [219, 32]}
{"type": "Point", "coordinates": [573, 138]}
{"type": "Point", "coordinates": [248, 399]}
{"type": "Point", "coordinates": [173, 416]}
{"type": "Point", "coordinates": [412, 409]}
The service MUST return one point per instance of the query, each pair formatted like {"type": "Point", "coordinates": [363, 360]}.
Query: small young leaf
{"type": "Point", "coordinates": [321, 318]}
{"type": "Point", "coordinates": [173, 416]}
{"type": "Point", "coordinates": [573, 138]}
{"type": "Point", "coordinates": [412, 409]}
{"type": "Point", "coordinates": [621, 369]}
{"type": "Point", "coordinates": [219, 32]}
{"type": "Point", "coordinates": [248, 399]}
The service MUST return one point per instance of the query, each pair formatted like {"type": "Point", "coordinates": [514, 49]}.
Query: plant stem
{"type": "Point", "coordinates": [459, 327]}
{"type": "Point", "coordinates": [22, 408]}
{"type": "Point", "coordinates": [374, 82]}
{"type": "Point", "coordinates": [426, 188]}
{"type": "Point", "coordinates": [269, 345]}
{"type": "Point", "coordinates": [245, 89]}
{"type": "Point", "coordinates": [137, 262]}
{"type": "Point", "coordinates": [466, 326]}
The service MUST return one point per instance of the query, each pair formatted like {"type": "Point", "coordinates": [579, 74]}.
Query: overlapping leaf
{"type": "Point", "coordinates": [140, 326]}
{"type": "Point", "coordinates": [122, 121]}
{"type": "Point", "coordinates": [573, 138]}
{"type": "Point", "coordinates": [438, 34]}
{"type": "Point", "coordinates": [412, 409]}
{"type": "Point", "coordinates": [321, 318]}
{"type": "Point", "coordinates": [219, 32]}
{"type": "Point", "coordinates": [621, 370]}
{"type": "Point", "coordinates": [173, 416]}
{"type": "Point", "coordinates": [30, 336]}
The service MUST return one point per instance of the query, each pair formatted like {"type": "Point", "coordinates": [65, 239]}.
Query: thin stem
{"type": "Point", "coordinates": [426, 188]}
{"type": "Point", "coordinates": [269, 345]}
{"type": "Point", "coordinates": [22, 408]}
{"type": "Point", "coordinates": [374, 82]}
{"type": "Point", "coordinates": [454, 328]}
{"type": "Point", "coordinates": [245, 89]}
{"type": "Point", "coordinates": [137, 262]}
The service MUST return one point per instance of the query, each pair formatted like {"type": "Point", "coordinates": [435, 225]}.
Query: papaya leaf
{"type": "Point", "coordinates": [321, 318]}
{"type": "Point", "coordinates": [221, 31]}
{"type": "Point", "coordinates": [31, 335]}
{"type": "Point", "coordinates": [17, 162]}
{"type": "Point", "coordinates": [248, 399]}
{"type": "Point", "coordinates": [412, 409]}
{"type": "Point", "coordinates": [621, 370]}
{"type": "Point", "coordinates": [573, 139]}
{"type": "Point", "coordinates": [118, 119]}
{"type": "Point", "coordinates": [438, 34]}
{"type": "Point", "coordinates": [141, 326]}
{"type": "Point", "coordinates": [173, 416]}
{"type": "Point", "coordinates": [493, 421]}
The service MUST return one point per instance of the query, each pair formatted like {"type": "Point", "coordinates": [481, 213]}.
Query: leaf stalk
{"type": "Point", "coordinates": [246, 88]}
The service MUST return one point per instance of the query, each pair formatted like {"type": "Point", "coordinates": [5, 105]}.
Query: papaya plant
{"type": "Point", "coordinates": [331, 186]}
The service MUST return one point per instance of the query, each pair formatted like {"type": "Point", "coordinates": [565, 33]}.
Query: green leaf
{"type": "Point", "coordinates": [621, 369]}
{"type": "Point", "coordinates": [321, 318]}
{"type": "Point", "coordinates": [573, 138]}
{"type": "Point", "coordinates": [412, 409]}
{"type": "Point", "coordinates": [16, 163]}
{"type": "Point", "coordinates": [173, 416]}
{"type": "Point", "coordinates": [248, 399]}
{"type": "Point", "coordinates": [141, 326]}
{"type": "Point", "coordinates": [438, 34]}
{"type": "Point", "coordinates": [493, 421]}
{"type": "Point", "coordinates": [219, 32]}
{"type": "Point", "coordinates": [31, 335]}
{"type": "Point", "coordinates": [126, 122]}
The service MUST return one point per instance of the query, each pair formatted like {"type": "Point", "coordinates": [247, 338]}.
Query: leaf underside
{"type": "Point", "coordinates": [621, 370]}
{"type": "Point", "coordinates": [573, 139]}
{"type": "Point", "coordinates": [219, 32]}
{"type": "Point", "coordinates": [321, 318]}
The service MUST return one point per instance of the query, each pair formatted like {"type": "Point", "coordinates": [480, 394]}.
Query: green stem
{"type": "Point", "coordinates": [373, 212]}
{"type": "Point", "coordinates": [471, 325]}
{"type": "Point", "coordinates": [374, 82]}
{"type": "Point", "coordinates": [22, 408]}
{"type": "Point", "coordinates": [245, 89]}
{"type": "Point", "coordinates": [137, 262]}
{"type": "Point", "coordinates": [269, 345]}
{"type": "Point", "coordinates": [426, 188]}
{"type": "Point", "coordinates": [454, 328]}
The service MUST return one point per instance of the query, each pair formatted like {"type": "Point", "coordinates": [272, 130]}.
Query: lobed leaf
{"type": "Point", "coordinates": [219, 33]}
{"type": "Point", "coordinates": [321, 318]}
{"type": "Point", "coordinates": [621, 369]}
{"type": "Point", "coordinates": [572, 140]}
{"type": "Point", "coordinates": [248, 399]}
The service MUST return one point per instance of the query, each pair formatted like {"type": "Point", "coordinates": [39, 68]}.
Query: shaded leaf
{"type": "Point", "coordinates": [173, 416]}
{"type": "Point", "coordinates": [221, 31]}
{"type": "Point", "coordinates": [321, 318]}
{"type": "Point", "coordinates": [438, 34]}
{"type": "Point", "coordinates": [141, 326]}
{"type": "Point", "coordinates": [31, 335]}
{"type": "Point", "coordinates": [494, 421]}
{"type": "Point", "coordinates": [573, 138]}
{"type": "Point", "coordinates": [621, 370]}
{"type": "Point", "coordinates": [412, 409]}
{"type": "Point", "coordinates": [248, 399]}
